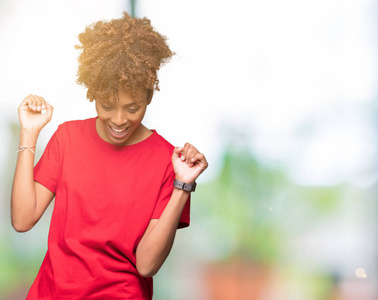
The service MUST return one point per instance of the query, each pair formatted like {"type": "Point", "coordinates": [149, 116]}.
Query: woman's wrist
{"type": "Point", "coordinates": [29, 137]}
{"type": "Point", "coordinates": [185, 180]}
{"type": "Point", "coordinates": [182, 185]}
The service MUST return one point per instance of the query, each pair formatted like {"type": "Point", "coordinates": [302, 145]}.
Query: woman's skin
{"type": "Point", "coordinates": [119, 122]}
{"type": "Point", "coordinates": [29, 198]}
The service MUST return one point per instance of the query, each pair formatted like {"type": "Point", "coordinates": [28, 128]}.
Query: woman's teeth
{"type": "Point", "coordinates": [118, 131]}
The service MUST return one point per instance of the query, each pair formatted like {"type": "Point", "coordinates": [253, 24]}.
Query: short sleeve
{"type": "Point", "coordinates": [46, 171]}
{"type": "Point", "coordinates": [164, 197]}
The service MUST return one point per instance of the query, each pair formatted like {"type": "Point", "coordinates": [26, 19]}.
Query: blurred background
{"type": "Point", "coordinates": [281, 96]}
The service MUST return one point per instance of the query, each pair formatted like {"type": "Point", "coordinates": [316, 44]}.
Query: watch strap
{"type": "Point", "coordinates": [188, 187]}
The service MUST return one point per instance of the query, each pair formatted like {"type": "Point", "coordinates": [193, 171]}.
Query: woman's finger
{"type": "Point", "coordinates": [192, 151]}
{"type": "Point", "coordinates": [34, 103]}
{"type": "Point", "coordinates": [31, 101]}
{"type": "Point", "coordinates": [184, 151]}
{"type": "Point", "coordinates": [177, 151]}
{"type": "Point", "coordinates": [38, 102]}
{"type": "Point", "coordinates": [48, 110]}
{"type": "Point", "coordinates": [188, 148]}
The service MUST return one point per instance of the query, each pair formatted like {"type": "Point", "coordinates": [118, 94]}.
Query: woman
{"type": "Point", "coordinates": [121, 190]}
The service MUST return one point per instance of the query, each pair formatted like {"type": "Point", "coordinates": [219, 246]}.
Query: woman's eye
{"type": "Point", "coordinates": [106, 107]}
{"type": "Point", "coordinates": [133, 109]}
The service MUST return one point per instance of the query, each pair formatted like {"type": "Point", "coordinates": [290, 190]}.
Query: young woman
{"type": "Point", "coordinates": [121, 190]}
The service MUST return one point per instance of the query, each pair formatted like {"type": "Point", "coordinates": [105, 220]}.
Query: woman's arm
{"type": "Point", "coordinates": [158, 238]}
{"type": "Point", "coordinates": [29, 199]}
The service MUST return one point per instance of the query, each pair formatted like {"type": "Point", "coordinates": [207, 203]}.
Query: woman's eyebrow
{"type": "Point", "coordinates": [135, 102]}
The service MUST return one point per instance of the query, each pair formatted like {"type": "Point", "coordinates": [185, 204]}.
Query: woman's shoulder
{"type": "Point", "coordinates": [76, 125]}
{"type": "Point", "coordinates": [74, 129]}
{"type": "Point", "coordinates": [162, 143]}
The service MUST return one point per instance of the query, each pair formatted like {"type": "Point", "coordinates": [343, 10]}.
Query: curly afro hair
{"type": "Point", "coordinates": [123, 53]}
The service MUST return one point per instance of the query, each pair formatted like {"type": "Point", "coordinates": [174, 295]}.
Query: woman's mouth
{"type": "Point", "coordinates": [118, 132]}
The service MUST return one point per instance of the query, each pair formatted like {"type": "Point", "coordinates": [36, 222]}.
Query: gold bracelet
{"type": "Point", "coordinates": [22, 148]}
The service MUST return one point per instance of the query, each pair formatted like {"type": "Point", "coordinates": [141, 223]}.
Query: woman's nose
{"type": "Point", "coordinates": [119, 118]}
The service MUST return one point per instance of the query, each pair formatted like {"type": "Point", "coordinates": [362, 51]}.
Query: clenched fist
{"type": "Point", "coordinates": [34, 113]}
{"type": "Point", "coordinates": [188, 163]}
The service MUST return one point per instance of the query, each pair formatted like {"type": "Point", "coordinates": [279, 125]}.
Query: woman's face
{"type": "Point", "coordinates": [120, 122]}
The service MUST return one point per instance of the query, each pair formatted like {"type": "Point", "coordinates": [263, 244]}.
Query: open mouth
{"type": "Point", "coordinates": [118, 133]}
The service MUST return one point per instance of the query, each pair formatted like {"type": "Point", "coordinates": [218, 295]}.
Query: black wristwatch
{"type": "Point", "coordinates": [188, 187]}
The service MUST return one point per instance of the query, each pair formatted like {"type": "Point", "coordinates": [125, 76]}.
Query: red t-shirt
{"type": "Point", "coordinates": [105, 196]}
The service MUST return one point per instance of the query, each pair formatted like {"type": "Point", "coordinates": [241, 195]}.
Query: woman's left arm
{"type": "Point", "coordinates": [158, 238]}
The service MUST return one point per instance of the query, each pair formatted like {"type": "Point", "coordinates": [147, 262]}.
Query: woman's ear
{"type": "Point", "coordinates": [150, 93]}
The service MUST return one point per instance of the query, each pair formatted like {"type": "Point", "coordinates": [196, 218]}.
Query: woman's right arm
{"type": "Point", "coordinates": [29, 199]}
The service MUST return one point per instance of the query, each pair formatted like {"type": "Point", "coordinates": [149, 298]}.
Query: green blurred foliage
{"type": "Point", "coordinates": [250, 208]}
{"type": "Point", "coordinates": [17, 269]}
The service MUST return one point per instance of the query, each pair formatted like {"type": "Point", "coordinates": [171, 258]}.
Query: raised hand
{"type": "Point", "coordinates": [34, 113]}
{"type": "Point", "coordinates": [188, 163]}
